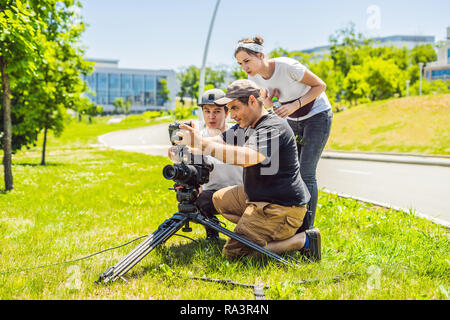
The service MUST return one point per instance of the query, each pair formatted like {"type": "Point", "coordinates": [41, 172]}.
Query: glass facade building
{"type": "Point", "coordinates": [440, 69]}
{"type": "Point", "coordinates": [141, 87]}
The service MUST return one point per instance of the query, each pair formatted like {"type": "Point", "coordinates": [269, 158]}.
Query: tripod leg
{"type": "Point", "coordinates": [164, 232]}
{"type": "Point", "coordinates": [206, 222]}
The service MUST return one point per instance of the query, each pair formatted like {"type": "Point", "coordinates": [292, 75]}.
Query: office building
{"type": "Point", "coordinates": [440, 69]}
{"type": "Point", "coordinates": [141, 87]}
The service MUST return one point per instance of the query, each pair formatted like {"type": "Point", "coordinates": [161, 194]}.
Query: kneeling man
{"type": "Point", "coordinates": [270, 206]}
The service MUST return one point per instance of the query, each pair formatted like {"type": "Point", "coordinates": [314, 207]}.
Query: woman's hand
{"type": "Point", "coordinates": [287, 109]}
{"type": "Point", "coordinates": [268, 103]}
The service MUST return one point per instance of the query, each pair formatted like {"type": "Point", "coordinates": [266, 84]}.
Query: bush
{"type": "Point", "coordinates": [430, 87]}
{"type": "Point", "coordinates": [182, 113]}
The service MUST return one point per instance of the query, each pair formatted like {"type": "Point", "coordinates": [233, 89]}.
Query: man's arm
{"type": "Point", "coordinates": [240, 156]}
{"type": "Point", "coordinates": [216, 147]}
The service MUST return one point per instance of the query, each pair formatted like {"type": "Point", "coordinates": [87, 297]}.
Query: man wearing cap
{"type": "Point", "coordinates": [223, 175]}
{"type": "Point", "coordinates": [270, 206]}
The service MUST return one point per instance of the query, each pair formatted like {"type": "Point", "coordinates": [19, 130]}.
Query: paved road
{"type": "Point", "coordinates": [425, 188]}
{"type": "Point", "coordinates": [152, 140]}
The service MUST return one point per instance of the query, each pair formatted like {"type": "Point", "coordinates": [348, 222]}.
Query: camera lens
{"type": "Point", "coordinates": [169, 172]}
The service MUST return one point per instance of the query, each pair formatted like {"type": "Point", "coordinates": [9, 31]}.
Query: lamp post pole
{"type": "Point", "coordinates": [202, 71]}
{"type": "Point", "coordinates": [420, 86]}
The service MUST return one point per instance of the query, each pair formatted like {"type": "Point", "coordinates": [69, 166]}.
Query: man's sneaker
{"type": "Point", "coordinates": [211, 234]}
{"type": "Point", "coordinates": [313, 252]}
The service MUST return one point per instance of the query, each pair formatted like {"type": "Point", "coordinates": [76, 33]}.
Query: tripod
{"type": "Point", "coordinates": [187, 212]}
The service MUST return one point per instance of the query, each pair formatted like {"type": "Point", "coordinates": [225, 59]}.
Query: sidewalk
{"type": "Point", "coordinates": [407, 158]}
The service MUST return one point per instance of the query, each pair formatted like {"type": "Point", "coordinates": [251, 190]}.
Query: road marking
{"type": "Point", "coordinates": [356, 172]}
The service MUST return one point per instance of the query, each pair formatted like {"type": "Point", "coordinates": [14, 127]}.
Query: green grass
{"type": "Point", "coordinates": [412, 125]}
{"type": "Point", "coordinates": [87, 199]}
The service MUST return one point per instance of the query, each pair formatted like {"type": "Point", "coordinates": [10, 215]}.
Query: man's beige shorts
{"type": "Point", "coordinates": [259, 222]}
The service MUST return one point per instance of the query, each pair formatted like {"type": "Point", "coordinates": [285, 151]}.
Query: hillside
{"type": "Point", "coordinates": [413, 125]}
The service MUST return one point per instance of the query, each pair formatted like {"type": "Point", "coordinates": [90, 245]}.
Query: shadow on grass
{"type": "Point", "coordinates": [209, 253]}
{"type": "Point", "coordinates": [38, 164]}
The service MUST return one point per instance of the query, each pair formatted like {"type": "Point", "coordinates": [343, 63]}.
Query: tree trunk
{"type": "Point", "coordinates": [7, 127]}
{"type": "Point", "coordinates": [44, 144]}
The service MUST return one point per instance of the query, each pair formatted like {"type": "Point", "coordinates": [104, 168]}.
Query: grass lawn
{"type": "Point", "coordinates": [88, 198]}
{"type": "Point", "coordinates": [413, 124]}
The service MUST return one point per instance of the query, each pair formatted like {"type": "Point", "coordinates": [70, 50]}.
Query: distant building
{"type": "Point", "coordinates": [140, 87]}
{"type": "Point", "coordinates": [440, 70]}
{"type": "Point", "coordinates": [398, 41]}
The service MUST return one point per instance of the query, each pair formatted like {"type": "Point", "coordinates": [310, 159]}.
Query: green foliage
{"type": "Point", "coordinates": [184, 112]}
{"type": "Point", "coordinates": [431, 87]}
{"type": "Point", "coordinates": [45, 81]}
{"type": "Point", "coordinates": [374, 79]}
{"type": "Point", "coordinates": [357, 70]}
{"type": "Point", "coordinates": [121, 106]}
{"type": "Point", "coordinates": [189, 79]}
{"type": "Point", "coordinates": [146, 116]}
{"type": "Point", "coordinates": [164, 91]}
{"type": "Point", "coordinates": [237, 73]}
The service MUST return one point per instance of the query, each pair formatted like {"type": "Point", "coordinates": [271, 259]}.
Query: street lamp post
{"type": "Point", "coordinates": [420, 84]}
{"type": "Point", "coordinates": [202, 71]}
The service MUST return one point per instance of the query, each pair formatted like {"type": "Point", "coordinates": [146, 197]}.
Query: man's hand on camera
{"type": "Point", "coordinates": [171, 153]}
{"type": "Point", "coordinates": [190, 137]}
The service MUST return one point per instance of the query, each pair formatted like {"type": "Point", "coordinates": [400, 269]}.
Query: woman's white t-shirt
{"type": "Point", "coordinates": [286, 78]}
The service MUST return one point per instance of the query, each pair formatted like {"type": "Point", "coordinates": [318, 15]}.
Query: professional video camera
{"type": "Point", "coordinates": [191, 172]}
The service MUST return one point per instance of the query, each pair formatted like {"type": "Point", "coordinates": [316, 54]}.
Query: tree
{"type": "Point", "coordinates": [164, 91]}
{"type": "Point", "coordinates": [61, 70]}
{"type": "Point", "coordinates": [20, 40]}
{"type": "Point", "coordinates": [189, 83]}
{"type": "Point", "coordinates": [355, 85]}
{"type": "Point", "coordinates": [343, 46]}
{"type": "Point", "coordinates": [237, 73]}
{"type": "Point", "coordinates": [42, 70]}
{"type": "Point", "coordinates": [118, 104]}
{"type": "Point", "coordinates": [189, 79]}
{"type": "Point", "coordinates": [374, 79]}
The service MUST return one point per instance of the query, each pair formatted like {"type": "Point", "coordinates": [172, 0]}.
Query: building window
{"type": "Point", "coordinates": [149, 90]}
{"type": "Point", "coordinates": [138, 89]}
{"type": "Point", "coordinates": [440, 74]}
{"type": "Point", "coordinates": [126, 88]}
{"type": "Point", "coordinates": [114, 87]}
{"type": "Point", "coordinates": [102, 88]}
{"type": "Point", "coordinates": [90, 80]}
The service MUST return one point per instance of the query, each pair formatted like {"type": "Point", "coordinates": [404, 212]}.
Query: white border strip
{"type": "Point", "coordinates": [385, 205]}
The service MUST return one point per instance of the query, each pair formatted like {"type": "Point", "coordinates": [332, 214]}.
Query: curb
{"type": "Point", "coordinates": [438, 221]}
{"type": "Point", "coordinates": [389, 157]}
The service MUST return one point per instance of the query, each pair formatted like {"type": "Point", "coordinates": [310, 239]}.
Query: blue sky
{"type": "Point", "coordinates": [170, 34]}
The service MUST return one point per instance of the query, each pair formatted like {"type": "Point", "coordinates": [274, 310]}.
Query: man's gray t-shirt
{"type": "Point", "coordinates": [277, 179]}
{"type": "Point", "coordinates": [223, 175]}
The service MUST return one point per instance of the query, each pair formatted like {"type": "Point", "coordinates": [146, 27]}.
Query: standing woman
{"type": "Point", "coordinates": [304, 104]}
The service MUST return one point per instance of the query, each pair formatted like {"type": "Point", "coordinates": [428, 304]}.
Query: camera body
{"type": "Point", "coordinates": [192, 170]}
